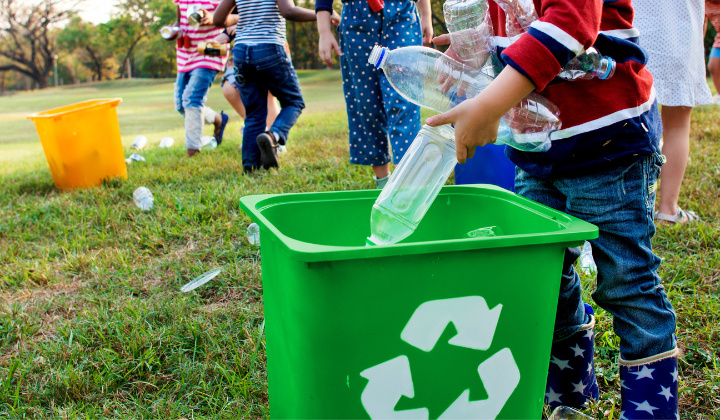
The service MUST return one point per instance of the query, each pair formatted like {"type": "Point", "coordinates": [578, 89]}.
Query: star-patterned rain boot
{"type": "Point", "coordinates": [571, 376]}
{"type": "Point", "coordinates": [649, 387]}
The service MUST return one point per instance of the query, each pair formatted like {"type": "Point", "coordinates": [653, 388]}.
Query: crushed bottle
{"type": "Point", "coordinates": [567, 413]}
{"type": "Point", "coordinates": [166, 142]}
{"type": "Point", "coordinates": [470, 29]}
{"type": "Point", "coordinates": [135, 158]}
{"type": "Point", "coordinates": [200, 280]}
{"type": "Point", "coordinates": [208, 143]}
{"type": "Point", "coordinates": [143, 198]}
{"type": "Point", "coordinates": [586, 263]}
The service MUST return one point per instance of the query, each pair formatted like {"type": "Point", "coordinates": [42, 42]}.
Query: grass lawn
{"type": "Point", "coordinates": [93, 323]}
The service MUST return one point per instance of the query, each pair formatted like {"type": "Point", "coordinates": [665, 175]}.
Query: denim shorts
{"type": "Point", "coordinates": [620, 202]}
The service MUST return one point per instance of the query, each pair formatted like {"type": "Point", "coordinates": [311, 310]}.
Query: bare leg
{"type": "Point", "coordinates": [381, 171]}
{"type": "Point", "coordinates": [676, 148]}
{"type": "Point", "coordinates": [233, 97]}
{"type": "Point", "coordinates": [714, 68]}
{"type": "Point", "coordinates": [273, 110]}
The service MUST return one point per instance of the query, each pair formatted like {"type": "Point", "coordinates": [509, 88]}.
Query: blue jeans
{"type": "Point", "coordinates": [191, 89]}
{"type": "Point", "coordinates": [620, 203]}
{"type": "Point", "coordinates": [259, 69]}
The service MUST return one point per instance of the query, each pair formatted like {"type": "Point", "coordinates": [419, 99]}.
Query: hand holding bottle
{"type": "Point", "coordinates": [476, 120]}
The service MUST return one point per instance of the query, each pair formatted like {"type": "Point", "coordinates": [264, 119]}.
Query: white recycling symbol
{"type": "Point", "coordinates": [389, 381]}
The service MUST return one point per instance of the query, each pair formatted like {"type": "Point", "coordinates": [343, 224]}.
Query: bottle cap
{"type": "Point", "coordinates": [377, 56]}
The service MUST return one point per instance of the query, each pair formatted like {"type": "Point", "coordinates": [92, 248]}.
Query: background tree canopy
{"type": "Point", "coordinates": [44, 41]}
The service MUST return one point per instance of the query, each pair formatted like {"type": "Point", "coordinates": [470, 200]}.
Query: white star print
{"type": "Point", "coordinates": [589, 333]}
{"type": "Point", "coordinates": [644, 406]}
{"type": "Point", "coordinates": [674, 374]}
{"type": "Point", "coordinates": [645, 372]}
{"type": "Point", "coordinates": [562, 364]}
{"type": "Point", "coordinates": [666, 392]}
{"type": "Point", "coordinates": [622, 385]}
{"type": "Point", "coordinates": [552, 396]}
{"type": "Point", "coordinates": [589, 369]}
{"type": "Point", "coordinates": [578, 351]}
{"type": "Point", "coordinates": [579, 387]}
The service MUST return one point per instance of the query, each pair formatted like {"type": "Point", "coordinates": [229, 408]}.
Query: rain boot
{"type": "Point", "coordinates": [571, 376]}
{"type": "Point", "coordinates": [649, 387]}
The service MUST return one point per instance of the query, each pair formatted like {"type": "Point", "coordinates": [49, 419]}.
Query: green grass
{"type": "Point", "coordinates": [92, 320]}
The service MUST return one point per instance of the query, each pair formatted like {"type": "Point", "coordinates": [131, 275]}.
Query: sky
{"type": "Point", "coordinates": [96, 11]}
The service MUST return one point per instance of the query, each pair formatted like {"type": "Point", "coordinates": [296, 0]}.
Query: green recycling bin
{"type": "Point", "coordinates": [441, 325]}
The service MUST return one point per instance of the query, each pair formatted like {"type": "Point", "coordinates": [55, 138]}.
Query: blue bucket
{"type": "Point", "coordinates": [488, 166]}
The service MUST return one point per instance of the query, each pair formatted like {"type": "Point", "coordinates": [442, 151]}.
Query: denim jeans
{"type": "Point", "coordinates": [258, 69]}
{"type": "Point", "coordinates": [191, 89]}
{"type": "Point", "coordinates": [620, 203]}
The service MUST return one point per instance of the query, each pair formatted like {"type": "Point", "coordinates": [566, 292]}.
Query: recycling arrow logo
{"type": "Point", "coordinates": [475, 322]}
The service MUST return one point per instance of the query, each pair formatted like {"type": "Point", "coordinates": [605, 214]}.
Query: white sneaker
{"type": "Point", "coordinates": [281, 149]}
{"type": "Point", "coordinates": [716, 99]}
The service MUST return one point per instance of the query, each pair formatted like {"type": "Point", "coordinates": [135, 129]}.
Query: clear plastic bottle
{"type": "Point", "coordinates": [143, 198]}
{"type": "Point", "coordinates": [413, 185]}
{"type": "Point", "coordinates": [588, 65]}
{"type": "Point", "coordinates": [253, 234]}
{"type": "Point", "coordinates": [586, 263]}
{"type": "Point", "coordinates": [431, 79]}
{"type": "Point", "coordinates": [140, 142]}
{"type": "Point", "coordinates": [470, 29]}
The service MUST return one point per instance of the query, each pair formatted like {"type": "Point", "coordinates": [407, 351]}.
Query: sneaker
{"type": "Point", "coordinates": [221, 130]}
{"type": "Point", "coordinates": [716, 99]}
{"type": "Point", "coordinates": [268, 149]}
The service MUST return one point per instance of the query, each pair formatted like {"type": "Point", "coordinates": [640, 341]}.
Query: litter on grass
{"type": "Point", "coordinates": [200, 280]}
{"type": "Point", "coordinates": [135, 157]}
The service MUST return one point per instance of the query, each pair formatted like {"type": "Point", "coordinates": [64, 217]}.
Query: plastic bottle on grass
{"type": "Point", "coordinates": [429, 78]}
{"type": "Point", "coordinates": [253, 234]}
{"type": "Point", "coordinates": [586, 263]}
{"type": "Point", "coordinates": [143, 198]}
{"type": "Point", "coordinates": [413, 185]}
{"type": "Point", "coordinates": [140, 142]}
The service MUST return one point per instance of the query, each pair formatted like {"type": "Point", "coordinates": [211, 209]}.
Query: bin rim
{"type": "Point", "coordinates": [61, 111]}
{"type": "Point", "coordinates": [573, 231]}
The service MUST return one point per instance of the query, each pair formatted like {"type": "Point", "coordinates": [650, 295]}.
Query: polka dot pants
{"type": "Point", "coordinates": [377, 115]}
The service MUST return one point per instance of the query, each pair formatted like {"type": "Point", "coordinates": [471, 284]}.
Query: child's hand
{"type": "Point", "coordinates": [326, 45]}
{"type": "Point", "coordinates": [445, 40]}
{"type": "Point", "coordinates": [335, 18]}
{"type": "Point", "coordinates": [207, 18]}
{"type": "Point", "coordinates": [476, 124]}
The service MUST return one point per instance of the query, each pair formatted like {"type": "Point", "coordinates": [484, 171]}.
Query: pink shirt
{"type": "Point", "coordinates": [189, 58]}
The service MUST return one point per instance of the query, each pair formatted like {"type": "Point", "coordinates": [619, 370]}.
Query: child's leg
{"type": "Point", "coordinates": [401, 28]}
{"type": "Point", "coordinates": [359, 31]}
{"type": "Point", "coordinates": [254, 96]}
{"type": "Point", "coordinates": [621, 203]}
{"type": "Point", "coordinates": [282, 82]}
{"type": "Point", "coordinates": [193, 101]}
{"type": "Point", "coordinates": [676, 147]}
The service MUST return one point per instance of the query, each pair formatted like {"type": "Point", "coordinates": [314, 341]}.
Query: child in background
{"type": "Point", "coordinates": [377, 115]}
{"type": "Point", "coordinates": [262, 65]}
{"type": "Point", "coordinates": [603, 167]}
{"type": "Point", "coordinates": [712, 12]}
{"type": "Point", "coordinates": [196, 73]}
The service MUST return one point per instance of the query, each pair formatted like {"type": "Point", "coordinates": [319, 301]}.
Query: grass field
{"type": "Point", "coordinates": [93, 323]}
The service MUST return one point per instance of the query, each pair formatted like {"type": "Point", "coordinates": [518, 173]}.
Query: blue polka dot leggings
{"type": "Point", "coordinates": [377, 115]}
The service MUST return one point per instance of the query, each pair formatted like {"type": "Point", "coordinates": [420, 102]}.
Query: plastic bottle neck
{"type": "Point", "coordinates": [378, 55]}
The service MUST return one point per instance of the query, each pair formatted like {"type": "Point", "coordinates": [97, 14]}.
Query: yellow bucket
{"type": "Point", "coordinates": [82, 143]}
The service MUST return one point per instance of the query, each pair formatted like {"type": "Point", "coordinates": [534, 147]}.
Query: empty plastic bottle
{"type": "Point", "coordinates": [166, 142]}
{"type": "Point", "coordinates": [586, 263]}
{"type": "Point", "coordinates": [140, 142]}
{"type": "Point", "coordinates": [413, 185]}
{"type": "Point", "coordinates": [588, 65]}
{"type": "Point", "coordinates": [253, 234]}
{"type": "Point", "coordinates": [470, 29]}
{"type": "Point", "coordinates": [143, 198]}
{"type": "Point", "coordinates": [431, 79]}
{"type": "Point", "coordinates": [208, 142]}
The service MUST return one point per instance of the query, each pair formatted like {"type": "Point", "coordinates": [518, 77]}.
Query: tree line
{"type": "Point", "coordinates": [46, 43]}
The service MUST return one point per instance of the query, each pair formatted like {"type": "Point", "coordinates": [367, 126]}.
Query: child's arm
{"type": "Point", "coordinates": [221, 13]}
{"type": "Point", "coordinates": [425, 21]}
{"type": "Point", "coordinates": [289, 11]}
{"type": "Point", "coordinates": [327, 43]}
{"type": "Point", "coordinates": [476, 120]}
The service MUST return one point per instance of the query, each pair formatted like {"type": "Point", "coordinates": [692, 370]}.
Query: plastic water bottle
{"type": "Point", "coordinates": [413, 185]}
{"type": "Point", "coordinates": [471, 31]}
{"type": "Point", "coordinates": [431, 79]}
{"type": "Point", "coordinates": [166, 142]}
{"type": "Point", "coordinates": [253, 234]}
{"type": "Point", "coordinates": [208, 142]}
{"type": "Point", "coordinates": [143, 198]}
{"type": "Point", "coordinates": [140, 142]}
{"type": "Point", "coordinates": [586, 263]}
{"type": "Point", "coordinates": [588, 65]}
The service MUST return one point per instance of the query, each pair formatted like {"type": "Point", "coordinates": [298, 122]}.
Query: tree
{"type": "Point", "coordinates": [27, 36]}
{"type": "Point", "coordinates": [91, 43]}
{"type": "Point", "coordinates": [136, 20]}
